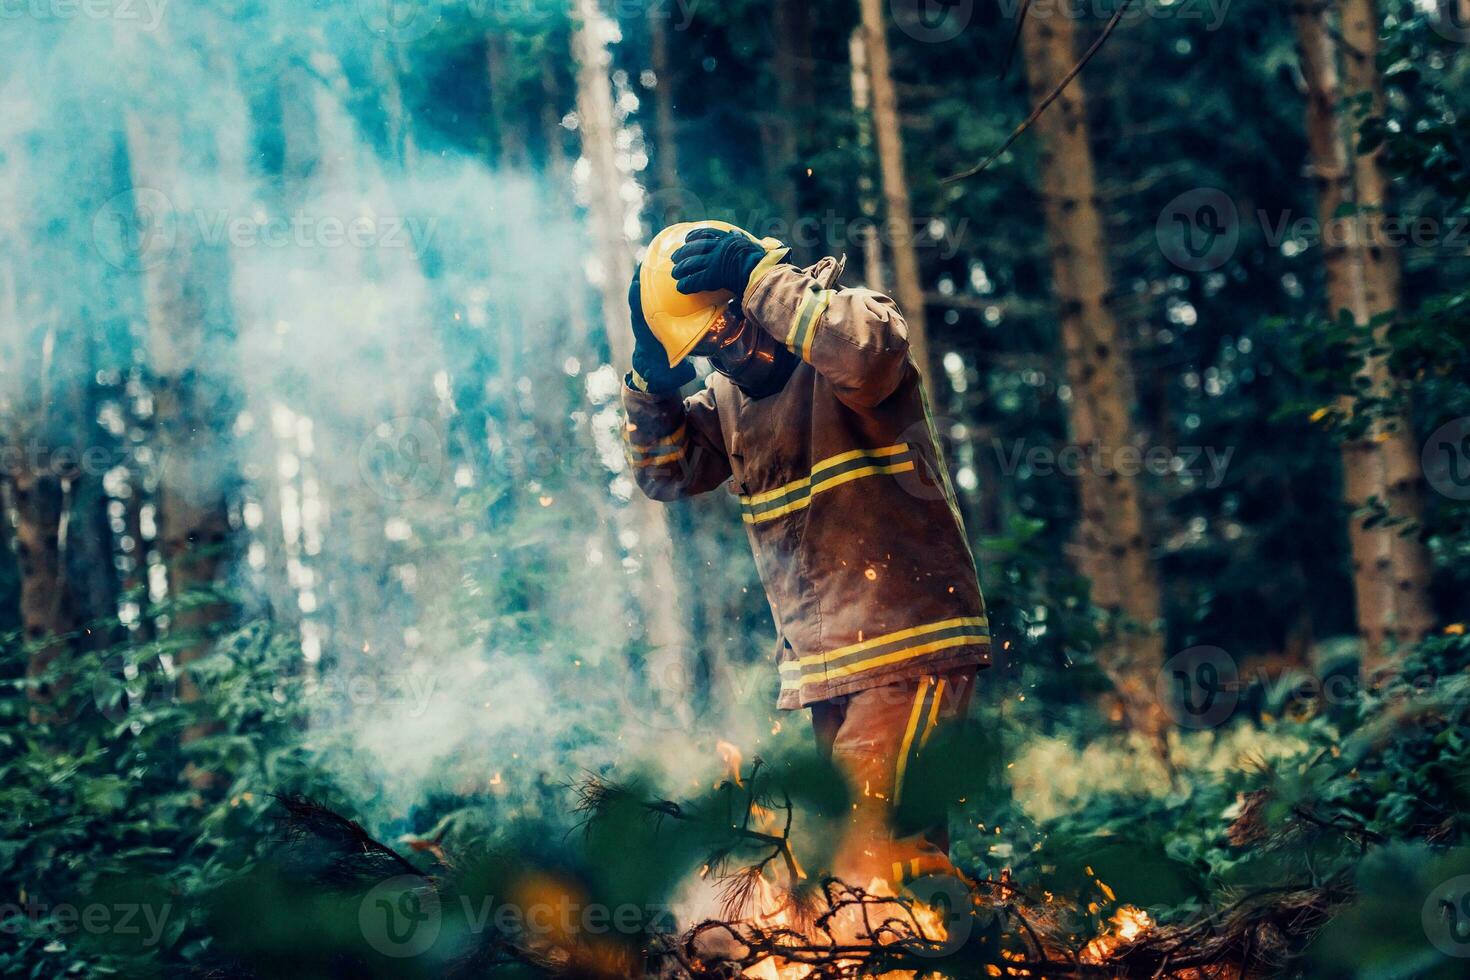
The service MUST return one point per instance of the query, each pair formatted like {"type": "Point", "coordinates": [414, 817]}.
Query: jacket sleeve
{"type": "Point", "coordinates": [855, 338]}
{"type": "Point", "coordinates": [674, 447]}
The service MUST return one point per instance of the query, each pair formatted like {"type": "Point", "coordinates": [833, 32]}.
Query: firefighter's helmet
{"type": "Point", "coordinates": [679, 321]}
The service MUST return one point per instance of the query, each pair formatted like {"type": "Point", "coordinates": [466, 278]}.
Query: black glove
{"type": "Point", "coordinates": [650, 360]}
{"type": "Point", "coordinates": [713, 259]}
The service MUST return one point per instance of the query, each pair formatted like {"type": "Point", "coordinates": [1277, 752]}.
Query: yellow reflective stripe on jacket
{"type": "Point", "coordinates": [639, 464]}
{"type": "Point", "coordinates": [804, 324]}
{"type": "Point", "coordinates": [829, 473]}
{"type": "Point", "coordinates": [775, 254]}
{"type": "Point", "coordinates": [891, 648]}
{"type": "Point", "coordinates": [665, 450]}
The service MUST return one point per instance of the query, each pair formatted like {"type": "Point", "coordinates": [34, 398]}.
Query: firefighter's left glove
{"type": "Point", "coordinates": [651, 371]}
{"type": "Point", "coordinates": [713, 259]}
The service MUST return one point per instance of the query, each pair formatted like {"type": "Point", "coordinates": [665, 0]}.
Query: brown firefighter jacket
{"type": "Point", "coordinates": [844, 493]}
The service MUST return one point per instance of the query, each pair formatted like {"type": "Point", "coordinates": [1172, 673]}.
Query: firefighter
{"type": "Point", "coordinates": [815, 417]}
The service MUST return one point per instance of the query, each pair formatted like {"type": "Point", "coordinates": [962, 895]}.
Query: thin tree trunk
{"type": "Point", "coordinates": [561, 173]}
{"type": "Point", "coordinates": [1113, 540]}
{"type": "Point", "coordinates": [1378, 578]}
{"type": "Point", "coordinates": [62, 541]}
{"type": "Point", "coordinates": [509, 136]}
{"type": "Point", "coordinates": [665, 129]}
{"type": "Point", "coordinates": [94, 553]}
{"type": "Point", "coordinates": [180, 297]}
{"type": "Point", "coordinates": [1412, 615]}
{"type": "Point", "coordinates": [47, 613]}
{"type": "Point", "coordinates": [908, 284]}
{"type": "Point", "coordinates": [862, 106]}
{"type": "Point", "coordinates": [790, 65]}
{"type": "Point", "coordinates": [387, 68]}
{"type": "Point", "coordinates": [658, 594]}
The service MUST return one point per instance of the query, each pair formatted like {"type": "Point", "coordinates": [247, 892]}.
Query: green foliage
{"type": "Point", "coordinates": [108, 845]}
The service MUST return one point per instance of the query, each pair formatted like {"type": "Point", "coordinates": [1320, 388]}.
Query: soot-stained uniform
{"type": "Point", "coordinates": [856, 534]}
{"type": "Point", "coordinates": [842, 488]}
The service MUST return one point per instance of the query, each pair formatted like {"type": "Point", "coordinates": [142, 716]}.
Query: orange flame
{"type": "Point", "coordinates": [733, 759]}
{"type": "Point", "coordinates": [1128, 924]}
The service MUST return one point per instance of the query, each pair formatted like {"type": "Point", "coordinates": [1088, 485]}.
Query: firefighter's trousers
{"type": "Point", "coordinates": [873, 738]}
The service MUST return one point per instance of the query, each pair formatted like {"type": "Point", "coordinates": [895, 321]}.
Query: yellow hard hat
{"type": "Point", "coordinates": [679, 320]}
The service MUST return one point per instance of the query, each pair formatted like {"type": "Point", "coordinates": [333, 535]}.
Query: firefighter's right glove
{"type": "Point", "coordinates": [651, 371]}
{"type": "Point", "coordinates": [712, 259]}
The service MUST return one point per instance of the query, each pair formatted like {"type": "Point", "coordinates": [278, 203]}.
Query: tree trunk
{"type": "Point", "coordinates": [657, 592]}
{"type": "Point", "coordinates": [387, 69]}
{"type": "Point", "coordinates": [1388, 571]}
{"type": "Point", "coordinates": [63, 543]}
{"type": "Point", "coordinates": [785, 145]}
{"type": "Point", "coordinates": [665, 128]}
{"type": "Point", "coordinates": [183, 299]}
{"type": "Point", "coordinates": [862, 105]}
{"type": "Point", "coordinates": [1114, 546]}
{"type": "Point", "coordinates": [1401, 476]}
{"type": "Point", "coordinates": [47, 611]}
{"type": "Point", "coordinates": [509, 135]}
{"type": "Point", "coordinates": [908, 284]}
